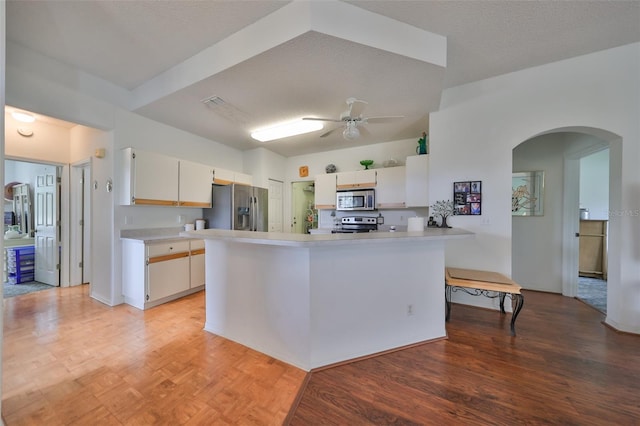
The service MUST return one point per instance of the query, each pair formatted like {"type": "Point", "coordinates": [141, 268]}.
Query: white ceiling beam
{"type": "Point", "coordinates": [330, 17]}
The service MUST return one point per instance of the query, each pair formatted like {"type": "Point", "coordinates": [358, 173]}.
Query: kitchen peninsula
{"type": "Point", "coordinates": [316, 300]}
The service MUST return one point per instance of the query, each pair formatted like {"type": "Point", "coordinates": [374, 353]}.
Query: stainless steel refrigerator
{"type": "Point", "coordinates": [239, 207]}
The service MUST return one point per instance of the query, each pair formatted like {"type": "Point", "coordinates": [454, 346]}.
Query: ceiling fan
{"type": "Point", "coordinates": [353, 120]}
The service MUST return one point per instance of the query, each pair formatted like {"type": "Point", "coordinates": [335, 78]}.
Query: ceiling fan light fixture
{"type": "Point", "coordinates": [351, 131]}
{"type": "Point", "coordinates": [284, 130]}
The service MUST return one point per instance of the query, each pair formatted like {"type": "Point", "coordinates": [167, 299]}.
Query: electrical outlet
{"type": "Point", "coordinates": [409, 310]}
{"type": "Point", "coordinates": [485, 221]}
{"type": "Point", "coordinates": [181, 219]}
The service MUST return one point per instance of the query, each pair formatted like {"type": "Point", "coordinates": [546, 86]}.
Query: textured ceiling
{"type": "Point", "coordinates": [273, 61]}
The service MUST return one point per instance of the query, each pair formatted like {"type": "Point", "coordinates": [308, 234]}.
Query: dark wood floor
{"type": "Point", "coordinates": [564, 367]}
{"type": "Point", "coordinates": [71, 360]}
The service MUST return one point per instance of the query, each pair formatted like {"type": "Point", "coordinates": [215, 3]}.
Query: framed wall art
{"type": "Point", "coordinates": [467, 197]}
{"type": "Point", "coordinates": [527, 193]}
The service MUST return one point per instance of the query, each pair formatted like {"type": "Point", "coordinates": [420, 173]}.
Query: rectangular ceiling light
{"type": "Point", "coordinates": [285, 130]}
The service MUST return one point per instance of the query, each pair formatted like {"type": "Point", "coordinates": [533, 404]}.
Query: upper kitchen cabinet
{"type": "Point", "coordinates": [390, 188]}
{"type": "Point", "coordinates": [227, 177]}
{"type": "Point", "coordinates": [195, 184]}
{"type": "Point", "coordinates": [159, 180]}
{"type": "Point", "coordinates": [417, 185]}
{"type": "Point", "coordinates": [325, 191]}
{"type": "Point", "coordinates": [149, 178]}
{"type": "Point", "coordinates": [357, 179]}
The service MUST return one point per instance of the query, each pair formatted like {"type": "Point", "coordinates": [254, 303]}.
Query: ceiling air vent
{"type": "Point", "coordinates": [226, 110]}
{"type": "Point", "coordinates": [213, 101]}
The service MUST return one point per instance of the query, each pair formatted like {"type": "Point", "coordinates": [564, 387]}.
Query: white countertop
{"type": "Point", "coordinates": [164, 235]}
{"type": "Point", "coordinates": [311, 240]}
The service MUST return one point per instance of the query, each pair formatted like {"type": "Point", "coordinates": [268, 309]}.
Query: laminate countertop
{"type": "Point", "coordinates": [154, 235]}
{"type": "Point", "coordinates": [315, 240]}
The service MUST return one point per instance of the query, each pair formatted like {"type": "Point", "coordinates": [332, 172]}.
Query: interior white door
{"type": "Point", "coordinates": [47, 269]}
{"type": "Point", "coordinates": [275, 206]}
{"type": "Point", "coordinates": [80, 224]}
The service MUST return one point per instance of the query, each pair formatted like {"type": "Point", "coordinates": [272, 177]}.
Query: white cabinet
{"type": "Point", "coordinates": [160, 271]}
{"type": "Point", "coordinates": [357, 179]}
{"type": "Point", "coordinates": [149, 178]}
{"type": "Point", "coordinates": [243, 178]}
{"type": "Point", "coordinates": [390, 188]}
{"type": "Point", "coordinates": [226, 177]}
{"type": "Point", "coordinates": [325, 191]}
{"type": "Point", "coordinates": [417, 186]}
{"type": "Point", "coordinates": [167, 269]}
{"type": "Point", "coordinates": [195, 184]}
{"type": "Point", "coordinates": [196, 264]}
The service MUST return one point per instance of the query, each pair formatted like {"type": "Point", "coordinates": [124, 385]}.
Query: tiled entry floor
{"type": "Point", "coordinates": [593, 291]}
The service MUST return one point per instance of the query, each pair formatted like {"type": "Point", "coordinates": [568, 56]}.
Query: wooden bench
{"type": "Point", "coordinates": [483, 283]}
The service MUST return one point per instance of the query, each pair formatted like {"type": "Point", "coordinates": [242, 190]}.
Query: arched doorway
{"type": "Point", "coordinates": [545, 249]}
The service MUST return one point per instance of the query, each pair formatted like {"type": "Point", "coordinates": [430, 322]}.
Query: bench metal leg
{"type": "Point", "coordinates": [447, 301]}
{"type": "Point", "coordinates": [519, 302]}
{"type": "Point", "coordinates": [502, 295]}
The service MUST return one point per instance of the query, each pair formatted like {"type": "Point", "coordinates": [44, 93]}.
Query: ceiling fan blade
{"type": "Point", "coordinates": [356, 106]}
{"type": "Point", "coordinates": [364, 131]}
{"type": "Point", "coordinates": [388, 119]}
{"type": "Point", "coordinates": [322, 119]}
{"type": "Point", "coordinates": [324, 135]}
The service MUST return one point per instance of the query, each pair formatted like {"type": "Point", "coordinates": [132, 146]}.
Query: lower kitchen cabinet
{"type": "Point", "coordinates": [160, 271]}
{"type": "Point", "coordinates": [196, 264]}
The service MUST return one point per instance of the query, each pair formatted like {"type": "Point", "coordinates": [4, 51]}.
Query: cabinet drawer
{"type": "Point", "coordinates": [197, 244]}
{"type": "Point", "coordinates": [163, 249]}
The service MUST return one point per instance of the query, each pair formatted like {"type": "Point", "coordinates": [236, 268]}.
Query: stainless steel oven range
{"type": "Point", "coordinates": [355, 224]}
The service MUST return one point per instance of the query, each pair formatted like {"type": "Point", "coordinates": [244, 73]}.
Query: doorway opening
{"type": "Point", "coordinates": [53, 221]}
{"type": "Point", "coordinates": [32, 226]}
{"type": "Point", "coordinates": [594, 225]}
{"type": "Point", "coordinates": [546, 247]}
{"type": "Point", "coordinates": [304, 216]}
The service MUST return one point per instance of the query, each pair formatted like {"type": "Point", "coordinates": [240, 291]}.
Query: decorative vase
{"type": "Point", "coordinates": [421, 149]}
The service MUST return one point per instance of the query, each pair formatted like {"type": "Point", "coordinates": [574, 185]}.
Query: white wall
{"type": "Point", "coordinates": [537, 240]}
{"type": "Point", "coordinates": [263, 165]}
{"type": "Point", "coordinates": [2, 146]}
{"type": "Point", "coordinates": [479, 124]}
{"type": "Point", "coordinates": [594, 184]}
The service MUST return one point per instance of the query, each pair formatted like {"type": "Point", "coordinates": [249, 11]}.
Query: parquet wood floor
{"type": "Point", "coordinates": [70, 360]}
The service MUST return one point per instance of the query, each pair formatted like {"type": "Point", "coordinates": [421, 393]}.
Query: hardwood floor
{"type": "Point", "coordinates": [564, 367]}
{"type": "Point", "coordinates": [71, 360]}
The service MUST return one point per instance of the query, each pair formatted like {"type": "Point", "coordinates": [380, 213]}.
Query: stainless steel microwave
{"type": "Point", "coordinates": [356, 199]}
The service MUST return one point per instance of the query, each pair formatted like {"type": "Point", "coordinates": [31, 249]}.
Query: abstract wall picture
{"type": "Point", "coordinates": [527, 194]}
